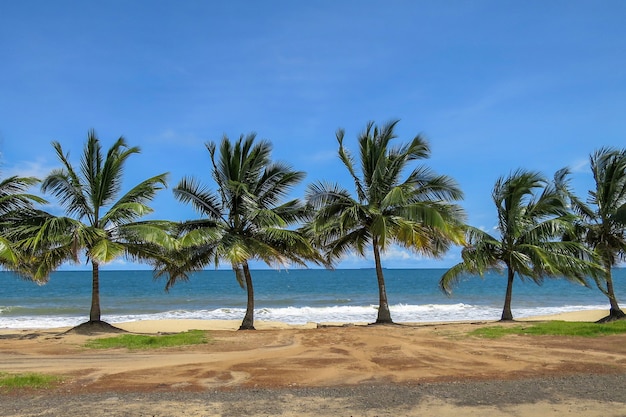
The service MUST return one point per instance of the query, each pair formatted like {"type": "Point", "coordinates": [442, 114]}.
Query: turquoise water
{"type": "Point", "coordinates": [293, 296]}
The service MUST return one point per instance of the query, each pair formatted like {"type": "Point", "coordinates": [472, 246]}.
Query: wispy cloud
{"type": "Point", "coordinates": [500, 92]}
{"type": "Point", "coordinates": [580, 165]}
{"type": "Point", "coordinates": [38, 169]}
{"type": "Point", "coordinates": [398, 257]}
{"type": "Point", "coordinates": [118, 264]}
{"type": "Point", "coordinates": [396, 253]}
{"type": "Point", "coordinates": [324, 156]}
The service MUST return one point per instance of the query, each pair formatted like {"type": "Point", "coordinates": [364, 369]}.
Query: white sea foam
{"type": "Point", "coordinates": [301, 315]}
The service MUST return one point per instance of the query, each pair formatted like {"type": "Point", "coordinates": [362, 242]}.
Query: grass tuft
{"type": "Point", "coordinates": [29, 380]}
{"type": "Point", "coordinates": [554, 328]}
{"type": "Point", "coordinates": [137, 341]}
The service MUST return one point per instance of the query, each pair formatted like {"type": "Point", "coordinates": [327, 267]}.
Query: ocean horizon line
{"type": "Point", "coordinates": [295, 268]}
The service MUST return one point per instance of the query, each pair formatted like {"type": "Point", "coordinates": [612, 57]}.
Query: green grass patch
{"type": "Point", "coordinates": [29, 380]}
{"type": "Point", "coordinates": [137, 341]}
{"type": "Point", "coordinates": [554, 328]}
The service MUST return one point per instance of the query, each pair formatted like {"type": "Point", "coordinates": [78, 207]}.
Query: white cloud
{"type": "Point", "coordinates": [397, 253]}
{"type": "Point", "coordinates": [38, 168]}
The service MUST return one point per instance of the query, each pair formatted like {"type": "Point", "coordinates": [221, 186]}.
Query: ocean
{"type": "Point", "coordinates": [291, 296]}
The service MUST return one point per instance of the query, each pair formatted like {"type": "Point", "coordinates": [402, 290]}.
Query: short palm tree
{"type": "Point", "coordinates": [532, 219]}
{"type": "Point", "coordinates": [15, 204]}
{"type": "Point", "coordinates": [243, 219]}
{"type": "Point", "coordinates": [415, 212]}
{"type": "Point", "coordinates": [99, 223]}
{"type": "Point", "coordinates": [603, 218]}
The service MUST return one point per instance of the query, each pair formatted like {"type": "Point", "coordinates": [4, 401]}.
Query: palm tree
{"type": "Point", "coordinates": [603, 219]}
{"type": "Point", "coordinates": [15, 203]}
{"type": "Point", "coordinates": [532, 218]}
{"type": "Point", "coordinates": [244, 219]}
{"type": "Point", "coordinates": [99, 223]}
{"type": "Point", "coordinates": [414, 212]}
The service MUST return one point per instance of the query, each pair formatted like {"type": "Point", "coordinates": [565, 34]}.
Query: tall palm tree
{"type": "Point", "coordinates": [243, 219]}
{"type": "Point", "coordinates": [99, 223]}
{"type": "Point", "coordinates": [15, 203]}
{"type": "Point", "coordinates": [532, 218]}
{"type": "Point", "coordinates": [603, 218]}
{"type": "Point", "coordinates": [415, 212]}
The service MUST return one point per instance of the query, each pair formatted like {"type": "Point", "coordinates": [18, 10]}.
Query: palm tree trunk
{"type": "Point", "coordinates": [507, 315]}
{"type": "Point", "coordinates": [94, 313]}
{"type": "Point", "coordinates": [615, 312]}
{"type": "Point", "coordinates": [248, 319]}
{"type": "Point", "coordinates": [384, 315]}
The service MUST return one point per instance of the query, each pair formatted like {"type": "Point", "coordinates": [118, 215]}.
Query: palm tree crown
{"type": "Point", "coordinates": [244, 219]}
{"type": "Point", "coordinates": [532, 218]}
{"type": "Point", "coordinates": [98, 221]}
{"type": "Point", "coordinates": [414, 212]}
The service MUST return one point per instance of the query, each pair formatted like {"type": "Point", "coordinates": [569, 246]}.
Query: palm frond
{"type": "Point", "coordinates": [8, 256]}
{"type": "Point", "coordinates": [452, 276]}
{"type": "Point", "coordinates": [104, 251]}
{"type": "Point", "coordinates": [13, 195]}
{"type": "Point", "coordinates": [190, 191]}
{"type": "Point", "coordinates": [67, 188]}
{"type": "Point", "coordinates": [348, 161]}
{"type": "Point", "coordinates": [134, 203]}
{"type": "Point", "coordinates": [427, 185]}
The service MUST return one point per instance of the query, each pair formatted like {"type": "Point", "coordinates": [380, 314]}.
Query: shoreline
{"type": "Point", "coordinates": [181, 325]}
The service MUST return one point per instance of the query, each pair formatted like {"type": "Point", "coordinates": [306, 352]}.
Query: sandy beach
{"type": "Point", "coordinates": [420, 369]}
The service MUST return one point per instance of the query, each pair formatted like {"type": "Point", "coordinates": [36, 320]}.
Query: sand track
{"type": "Point", "coordinates": [332, 356]}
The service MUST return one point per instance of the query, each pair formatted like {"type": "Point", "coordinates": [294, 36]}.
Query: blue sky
{"type": "Point", "coordinates": [493, 85]}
